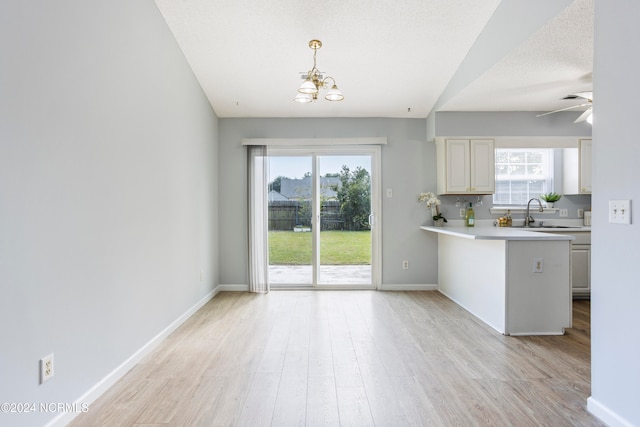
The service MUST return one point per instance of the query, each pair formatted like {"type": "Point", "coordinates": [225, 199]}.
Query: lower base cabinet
{"type": "Point", "coordinates": [581, 270]}
{"type": "Point", "coordinates": [580, 263]}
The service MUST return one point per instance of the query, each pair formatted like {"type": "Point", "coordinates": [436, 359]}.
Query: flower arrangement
{"type": "Point", "coordinates": [429, 198]}
{"type": "Point", "coordinates": [432, 201]}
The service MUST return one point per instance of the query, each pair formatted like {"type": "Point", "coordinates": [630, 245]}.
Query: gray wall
{"type": "Point", "coordinates": [108, 187]}
{"type": "Point", "coordinates": [515, 123]}
{"type": "Point", "coordinates": [408, 167]}
{"type": "Point", "coordinates": [615, 340]}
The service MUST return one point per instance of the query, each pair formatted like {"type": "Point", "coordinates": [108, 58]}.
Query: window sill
{"type": "Point", "coordinates": [522, 209]}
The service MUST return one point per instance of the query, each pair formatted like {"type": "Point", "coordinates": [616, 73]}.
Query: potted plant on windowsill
{"type": "Point", "coordinates": [432, 202]}
{"type": "Point", "coordinates": [550, 198]}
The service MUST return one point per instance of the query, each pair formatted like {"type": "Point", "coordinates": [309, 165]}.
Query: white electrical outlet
{"type": "Point", "coordinates": [538, 265]}
{"type": "Point", "coordinates": [620, 211]}
{"type": "Point", "coordinates": [405, 265]}
{"type": "Point", "coordinates": [564, 212]}
{"type": "Point", "coordinates": [389, 193]}
{"type": "Point", "coordinates": [463, 213]}
{"type": "Point", "coordinates": [580, 213]}
{"type": "Point", "coordinates": [46, 368]}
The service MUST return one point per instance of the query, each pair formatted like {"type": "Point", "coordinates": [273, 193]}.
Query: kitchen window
{"type": "Point", "coordinates": [521, 174]}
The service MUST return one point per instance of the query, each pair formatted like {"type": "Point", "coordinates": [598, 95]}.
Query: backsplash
{"type": "Point", "coordinates": [570, 202]}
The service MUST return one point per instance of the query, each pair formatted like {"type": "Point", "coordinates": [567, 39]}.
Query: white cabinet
{"type": "Point", "coordinates": [577, 168]}
{"type": "Point", "coordinates": [580, 263]}
{"type": "Point", "coordinates": [465, 166]}
{"type": "Point", "coordinates": [581, 270]}
{"type": "Point", "coordinates": [585, 165]}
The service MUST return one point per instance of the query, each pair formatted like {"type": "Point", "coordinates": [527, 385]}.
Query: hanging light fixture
{"type": "Point", "coordinates": [314, 80]}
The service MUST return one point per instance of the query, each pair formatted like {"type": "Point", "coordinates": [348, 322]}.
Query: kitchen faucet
{"type": "Point", "coordinates": [528, 219]}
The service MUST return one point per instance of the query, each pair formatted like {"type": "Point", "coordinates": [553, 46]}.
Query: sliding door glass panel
{"type": "Point", "coordinates": [344, 204]}
{"type": "Point", "coordinates": [290, 220]}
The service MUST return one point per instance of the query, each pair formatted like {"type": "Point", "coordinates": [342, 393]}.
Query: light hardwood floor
{"type": "Point", "coordinates": [351, 358]}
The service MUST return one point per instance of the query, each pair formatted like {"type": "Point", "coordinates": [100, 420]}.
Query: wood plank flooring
{"type": "Point", "coordinates": [351, 358]}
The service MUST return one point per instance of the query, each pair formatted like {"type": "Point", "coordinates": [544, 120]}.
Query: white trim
{"type": "Point", "coordinates": [332, 142]}
{"type": "Point", "coordinates": [104, 384]}
{"type": "Point", "coordinates": [526, 334]}
{"type": "Point", "coordinates": [408, 287]}
{"type": "Point", "coordinates": [234, 288]}
{"type": "Point", "coordinates": [348, 287]}
{"type": "Point", "coordinates": [527, 141]}
{"type": "Point", "coordinates": [605, 414]}
{"type": "Point", "coordinates": [376, 226]}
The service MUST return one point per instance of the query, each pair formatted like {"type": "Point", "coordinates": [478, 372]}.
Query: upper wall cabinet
{"type": "Point", "coordinates": [465, 166]}
{"type": "Point", "coordinates": [577, 168]}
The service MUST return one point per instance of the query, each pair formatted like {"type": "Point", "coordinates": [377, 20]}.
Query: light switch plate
{"type": "Point", "coordinates": [620, 211]}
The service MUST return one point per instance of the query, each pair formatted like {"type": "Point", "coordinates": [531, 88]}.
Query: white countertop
{"type": "Point", "coordinates": [504, 233]}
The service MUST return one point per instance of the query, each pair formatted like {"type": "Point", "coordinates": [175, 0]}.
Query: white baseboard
{"type": "Point", "coordinates": [408, 287]}
{"type": "Point", "coordinates": [234, 288]}
{"type": "Point", "coordinates": [605, 414]}
{"type": "Point", "coordinates": [103, 385]}
{"type": "Point", "coordinates": [399, 287]}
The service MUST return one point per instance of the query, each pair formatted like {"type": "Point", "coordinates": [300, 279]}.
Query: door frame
{"type": "Point", "coordinates": [376, 205]}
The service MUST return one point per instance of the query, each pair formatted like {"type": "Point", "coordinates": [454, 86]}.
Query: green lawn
{"type": "Point", "coordinates": [336, 248]}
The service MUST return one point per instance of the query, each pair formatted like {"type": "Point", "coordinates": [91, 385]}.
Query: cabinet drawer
{"type": "Point", "coordinates": [582, 238]}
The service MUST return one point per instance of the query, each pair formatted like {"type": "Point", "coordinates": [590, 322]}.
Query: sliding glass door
{"type": "Point", "coordinates": [344, 226]}
{"type": "Point", "coordinates": [323, 206]}
{"type": "Point", "coordinates": [290, 219]}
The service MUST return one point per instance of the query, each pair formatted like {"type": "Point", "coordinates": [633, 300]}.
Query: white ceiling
{"type": "Point", "coordinates": [389, 58]}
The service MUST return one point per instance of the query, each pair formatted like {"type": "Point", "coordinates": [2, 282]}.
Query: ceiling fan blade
{"type": "Point", "coordinates": [584, 116]}
{"type": "Point", "coordinates": [564, 109]}
{"type": "Point", "coordinates": [585, 95]}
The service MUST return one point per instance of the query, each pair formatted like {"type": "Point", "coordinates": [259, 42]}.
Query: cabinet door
{"type": "Point", "coordinates": [482, 166]}
{"type": "Point", "coordinates": [585, 166]}
{"type": "Point", "coordinates": [581, 269]}
{"type": "Point", "coordinates": [457, 164]}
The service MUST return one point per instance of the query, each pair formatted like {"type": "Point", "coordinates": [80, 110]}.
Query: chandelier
{"type": "Point", "coordinates": [314, 80]}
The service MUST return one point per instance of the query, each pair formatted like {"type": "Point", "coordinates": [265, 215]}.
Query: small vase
{"type": "Point", "coordinates": [438, 222]}
{"type": "Point", "coordinates": [549, 205]}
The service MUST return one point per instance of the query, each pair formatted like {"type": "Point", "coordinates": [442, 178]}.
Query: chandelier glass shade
{"type": "Point", "coordinates": [303, 98]}
{"type": "Point", "coordinates": [315, 80]}
{"type": "Point", "coordinates": [334, 94]}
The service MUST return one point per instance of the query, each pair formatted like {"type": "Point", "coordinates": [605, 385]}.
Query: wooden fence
{"type": "Point", "coordinates": [285, 215]}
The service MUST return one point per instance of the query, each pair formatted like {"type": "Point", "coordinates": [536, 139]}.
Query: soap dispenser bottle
{"type": "Point", "coordinates": [469, 218]}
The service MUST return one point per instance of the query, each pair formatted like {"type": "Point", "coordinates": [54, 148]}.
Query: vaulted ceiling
{"type": "Point", "coordinates": [389, 58]}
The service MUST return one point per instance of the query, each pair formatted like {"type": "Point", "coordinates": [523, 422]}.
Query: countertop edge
{"type": "Point", "coordinates": [496, 233]}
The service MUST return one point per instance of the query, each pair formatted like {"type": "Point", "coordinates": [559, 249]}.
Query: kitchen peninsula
{"type": "Point", "coordinates": [517, 281]}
